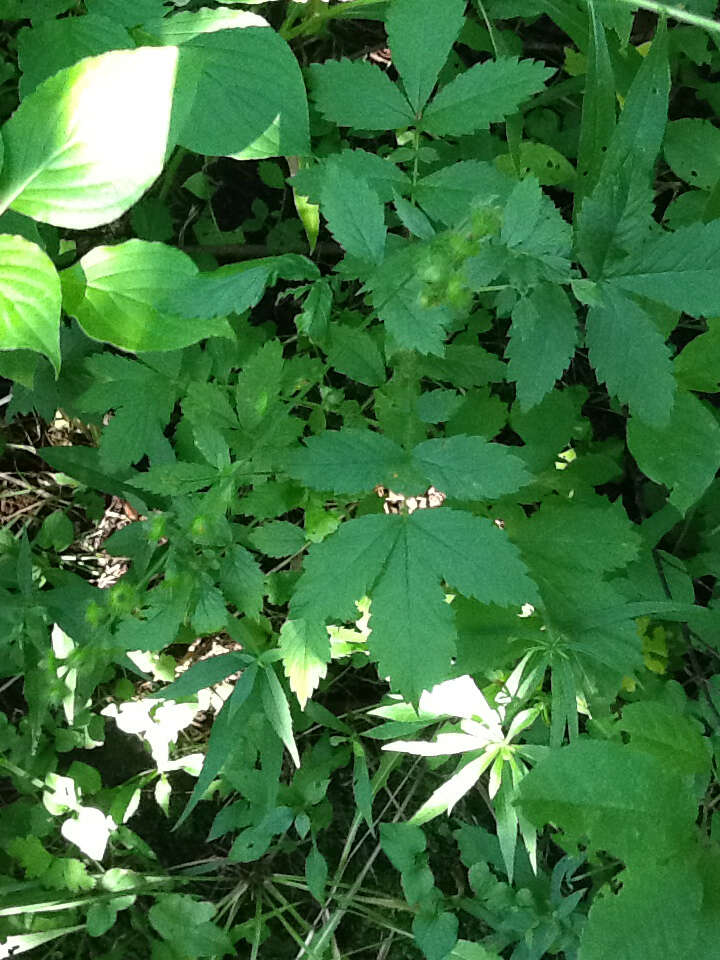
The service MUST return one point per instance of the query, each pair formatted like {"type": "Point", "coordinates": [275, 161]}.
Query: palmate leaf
{"type": "Point", "coordinates": [400, 562]}
{"type": "Point", "coordinates": [484, 94]}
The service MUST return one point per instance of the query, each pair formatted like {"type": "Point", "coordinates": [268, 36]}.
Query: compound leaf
{"type": "Point", "coordinates": [484, 94]}
{"type": "Point", "coordinates": [628, 352]}
{"type": "Point", "coordinates": [354, 215]}
{"type": "Point", "coordinates": [305, 649]}
{"type": "Point", "coordinates": [397, 295]}
{"type": "Point", "coordinates": [353, 93]}
{"type": "Point", "coordinates": [542, 342]}
{"type": "Point", "coordinates": [470, 467]}
{"type": "Point", "coordinates": [678, 269]}
{"type": "Point", "coordinates": [356, 354]}
{"type": "Point", "coordinates": [421, 36]}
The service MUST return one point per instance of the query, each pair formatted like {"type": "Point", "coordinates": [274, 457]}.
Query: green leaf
{"type": "Point", "coordinates": [397, 293]}
{"type": "Point", "coordinates": [29, 299]}
{"type": "Point", "coordinates": [692, 151]}
{"type": "Point", "coordinates": [354, 93]}
{"type": "Point", "coordinates": [447, 194]}
{"type": "Point", "coordinates": [210, 614]}
{"type": "Point", "coordinates": [204, 674]}
{"type": "Point", "coordinates": [465, 365]}
{"type": "Point", "coordinates": [409, 614]}
{"type": "Point", "coordinates": [178, 917]}
{"type": "Point", "coordinates": [279, 538]}
{"type": "Point", "coordinates": [258, 384]}
{"type": "Point", "coordinates": [230, 289]}
{"type": "Point", "coordinates": [305, 649]}
{"type": "Point", "coordinates": [172, 479]}
{"type": "Point", "coordinates": [598, 111]}
{"type": "Point", "coordinates": [595, 536]}
{"type": "Point", "coordinates": [222, 739]}
{"type": "Point", "coordinates": [355, 354]}
{"type": "Point", "coordinates": [421, 37]}
{"type": "Point", "coordinates": [697, 367]}
{"type": "Point", "coordinates": [484, 94]}
{"type": "Point", "coordinates": [346, 461]}
{"type": "Point", "coordinates": [438, 406]}
{"type": "Point", "coordinates": [142, 401]}
{"type": "Point", "coordinates": [277, 710]}
{"type": "Point", "coordinates": [384, 176]}
{"type": "Point", "coordinates": [408, 608]}
{"type": "Point", "coordinates": [617, 212]}
{"type": "Point", "coordinates": [639, 133]}
{"type": "Point", "coordinates": [101, 917]}
{"type": "Point", "coordinates": [470, 468]}
{"type": "Point", "coordinates": [354, 215]}
{"type": "Point", "coordinates": [662, 731]}
{"type": "Point", "coordinates": [402, 843]}
{"type": "Point", "coordinates": [624, 802]}
{"type": "Point", "coordinates": [435, 933]}
{"type": "Point", "coordinates": [348, 561]}
{"type": "Point", "coordinates": [56, 531]}
{"type": "Point", "coordinates": [182, 27]}
{"type": "Point", "coordinates": [542, 342]}
{"type": "Point", "coordinates": [49, 47]}
{"type": "Point", "coordinates": [128, 15]}
{"type": "Point", "coordinates": [256, 112]}
{"type": "Point", "coordinates": [678, 269]}
{"type": "Point", "coordinates": [126, 287]}
{"type": "Point", "coordinates": [88, 142]}
{"type": "Point", "coordinates": [413, 219]}
{"type": "Point", "coordinates": [628, 352]}
{"type": "Point", "coordinates": [242, 581]}
{"type": "Point", "coordinates": [684, 454]}
{"type": "Point", "coordinates": [316, 872]}
{"type": "Point", "coordinates": [655, 914]}
{"type": "Point", "coordinates": [471, 554]}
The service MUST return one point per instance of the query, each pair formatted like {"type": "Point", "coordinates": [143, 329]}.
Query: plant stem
{"type": "Point", "coordinates": [171, 172]}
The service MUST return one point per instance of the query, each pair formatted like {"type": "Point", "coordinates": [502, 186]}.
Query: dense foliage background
{"type": "Point", "coordinates": [359, 551]}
